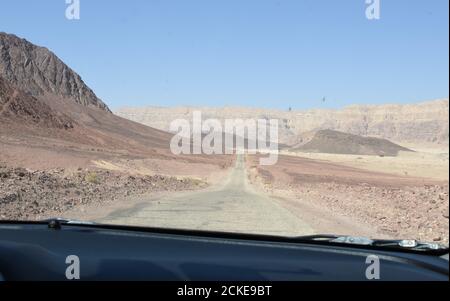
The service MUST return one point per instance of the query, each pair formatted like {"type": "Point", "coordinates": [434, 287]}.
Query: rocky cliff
{"type": "Point", "coordinates": [38, 72]}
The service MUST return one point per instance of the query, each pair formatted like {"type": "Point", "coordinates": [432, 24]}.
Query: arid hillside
{"type": "Point", "coordinates": [47, 109]}
{"type": "Point", "coordinates": [24, 109]}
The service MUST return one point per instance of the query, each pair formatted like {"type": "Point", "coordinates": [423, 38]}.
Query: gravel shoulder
{"type": "Point", "coordinates": [35, 195]}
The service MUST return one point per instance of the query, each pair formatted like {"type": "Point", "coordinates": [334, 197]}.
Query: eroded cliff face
{"type": "Point", "coordinates": [38, 72]}
{"type": "Point", "coordinates": [426, 122]}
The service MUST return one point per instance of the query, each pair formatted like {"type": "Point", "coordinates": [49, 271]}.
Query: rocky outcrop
{"type": "Point", "coordinates": [21, 108]}
{"type": "Point", "coordinates": [38, 72]}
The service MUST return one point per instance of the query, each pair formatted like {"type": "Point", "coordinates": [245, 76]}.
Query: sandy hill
{"type": "Point", "coordinates": [334, 142]}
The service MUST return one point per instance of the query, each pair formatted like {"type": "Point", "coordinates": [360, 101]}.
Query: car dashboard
{"type": "Point", "coordinates": [37, 252]}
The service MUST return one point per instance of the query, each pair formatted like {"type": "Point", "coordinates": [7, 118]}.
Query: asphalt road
{"type": "Point", "coordinates": [232, 206]}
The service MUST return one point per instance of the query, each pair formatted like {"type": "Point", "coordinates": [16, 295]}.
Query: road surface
{"type": "Point", "coordinates": [233, 206]}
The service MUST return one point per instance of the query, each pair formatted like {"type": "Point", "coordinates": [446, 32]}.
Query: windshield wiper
{"type": "Point", "coordinates": [394, 245]}
{"type": "Point", "coordinates": [55, 223]}
{"type": "Point", "coordinates": [404, 244]}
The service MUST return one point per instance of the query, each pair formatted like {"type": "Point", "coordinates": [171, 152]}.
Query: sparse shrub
{"type": "Point", "coordinates": [197, 182]}
{"type": "Point", "coordinates": [91, 178]}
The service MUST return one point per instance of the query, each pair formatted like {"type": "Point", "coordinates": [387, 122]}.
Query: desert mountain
{"type": "Point", "coordinates": [49, 117]}
{"type": "Point", "coordinates": [334, 142]}
{"type": "Point", "coordinates": [39, 72]}
{"type": "Point", "coordinates": [426, 122]}
{"type": "Point", "coordinates": [45, 105]}
{"type": "Point", "coordinates": [37, 87]}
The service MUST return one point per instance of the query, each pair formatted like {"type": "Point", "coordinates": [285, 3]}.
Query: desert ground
{"type": "Point", "coordinates": [304, 193]}
{"type": "Point", "coordinates": [430, 162]}
{"type": "Point", "coordinates": [412, 202]}
{"type": "Point", "coordinates": [297, 196]}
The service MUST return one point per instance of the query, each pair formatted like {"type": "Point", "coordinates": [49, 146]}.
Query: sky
{"type": "Point", "coordinates": [277, 54]}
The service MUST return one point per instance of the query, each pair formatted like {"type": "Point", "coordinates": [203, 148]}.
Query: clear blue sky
{"type": "Point", "coordinates": [275, 54]}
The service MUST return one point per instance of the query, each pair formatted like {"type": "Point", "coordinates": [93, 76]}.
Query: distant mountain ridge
{"type": "Point", "coordinates": [426, 122]}
{"type": "Point", "coordinates": [38, 72]}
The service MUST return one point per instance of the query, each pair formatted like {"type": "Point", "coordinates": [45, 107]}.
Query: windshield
{"type": "Point", "coordinates": [285, 118]}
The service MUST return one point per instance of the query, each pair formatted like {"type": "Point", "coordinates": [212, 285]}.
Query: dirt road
{"type": "Point", "coordinates": [233, 206]}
